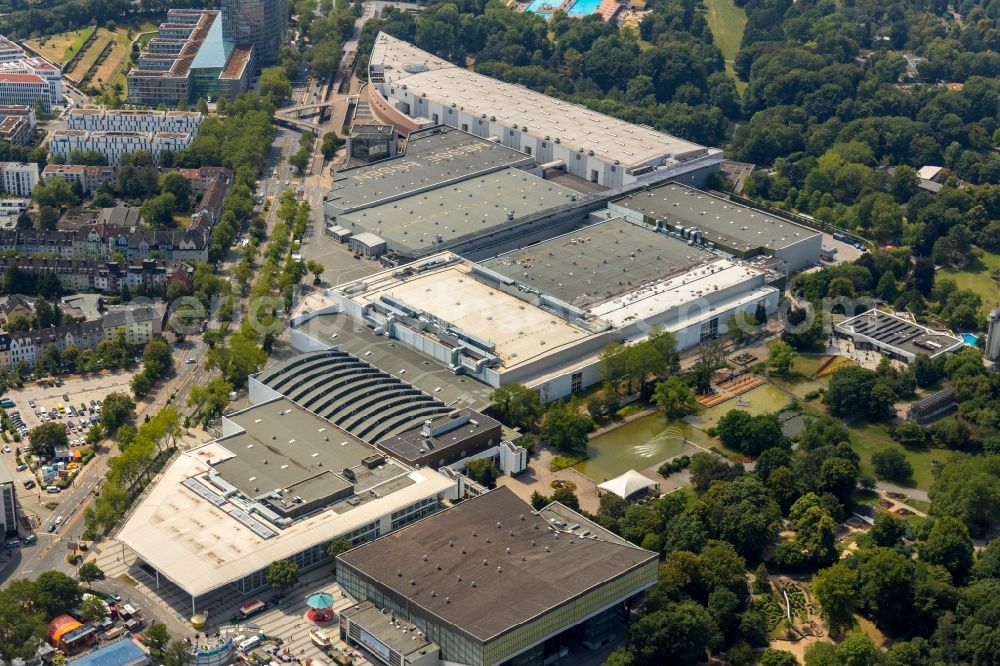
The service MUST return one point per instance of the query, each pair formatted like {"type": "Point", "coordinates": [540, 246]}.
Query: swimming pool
{"type": "Point", "coordinates": [970, 339]}
{"type": "Point", "coordinates": [584, 7]}
{"type": "Point", "coordinates": [536, 7]}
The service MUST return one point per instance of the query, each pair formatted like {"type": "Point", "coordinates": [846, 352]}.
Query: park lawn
{"type": "Point", "coordinates": [977, 278]}
{"type": "Point", "coordinates": [869, 438]}
{"type": "Point", "coordinates": [146, 38]}
{"type": "Point", "coordinates": [807, 364]}
{"type": "Point", "coordinates": [60, 47]}
{"type": "Point", "coordinates": [90, 56]}
{"type": "Point", "coordinates": [727, 22]}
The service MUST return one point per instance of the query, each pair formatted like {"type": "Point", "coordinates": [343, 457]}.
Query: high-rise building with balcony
{"type": "Point", "coordinates": [258, 22]}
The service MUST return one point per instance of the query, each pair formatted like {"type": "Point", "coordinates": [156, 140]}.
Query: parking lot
{"type": "Point", "coordinates": [70, 391]}
{"type": "Point", "coordinates": [80, 390]}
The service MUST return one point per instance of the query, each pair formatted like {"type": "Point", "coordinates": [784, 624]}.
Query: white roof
{"type": "Point", "coordinates": [928, 172]}
{"type": "Point", "coordinates": [574, 125]}
{"type": "Point", "coordinates": [628, 484]}
{"type": "Point", "coordinates": [200, 547]}
{"type": "Point", "coordinates": [366, 238]}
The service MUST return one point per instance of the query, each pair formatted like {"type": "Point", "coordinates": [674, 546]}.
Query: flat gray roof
{"type": "Point", "coordinates": [400, 360]}
{"type": "Point", "coordinates": [598, 263]}
{"type": "Point", "coordinates": [413, 444]}
{"type": "Point", "coordinates": [284, 446]}
{"type": "Point", "coordinates": [401, 636]}
{"type": "Point", "coordinates": [488, 564]}
{"type": "Point", "coordinates": [401, 64]}
{"type": "Point", "coordinates": [432, 157]}
{"type": "Point", "coordinates": [721, 221]}
{"type": "Point", "coordinates": [899, 333]}
{"type": "Point", "coordinates": [474, 207]}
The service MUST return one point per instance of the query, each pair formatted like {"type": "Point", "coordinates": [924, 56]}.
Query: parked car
{"type": "Point", "coordinates": [51, 528]}
{"type": "Point", "coordinates": [29, 484]}
{"type": "Point", "coordinates": [52, 490]}
{"type": "Point", "coordinates": [22, 467]}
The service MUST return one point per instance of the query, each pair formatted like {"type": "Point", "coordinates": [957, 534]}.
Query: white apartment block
{"type": "Point", "coordinates": [19, 178]}
{"type": "Point", "coordinates": [25, 89]}
{"type": "Point", "coordinates": [43, 69]}
{"type": "Point", "coordinates": [115, 145]}
{"type": "Point", "coordinates": [9, 51]}
{"type": "Point", "coordinates": [107, 120]}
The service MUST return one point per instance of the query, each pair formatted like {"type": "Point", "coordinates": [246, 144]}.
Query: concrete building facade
{"type": "Point", "coordinates": [18, 178]}
{"type": "Point", "coordinates": [412, 89]}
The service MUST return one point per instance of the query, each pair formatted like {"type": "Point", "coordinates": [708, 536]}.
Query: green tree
{"type": "Point", "coordinates": [566, 497]}
{"type": "Point", "coordinates": [850, 391]}
{"type": "Point", "coordinates": [772, 657]}
{"type": "Point", "coordinates": [674, 398]}
{"type": "Point", "coordinates": [748, 434]}
{"type": "Point", "coordinates": [517, 405]}
{"type": "Point", "coordinates": [92, 609]}
{"type": "Point", "coordinates": [337, 547]}
{"type": "Point", "coordinates": [780, 357]}
{"type": "Point", "coordinates": [48, 218]}
{"type": "Point", "coordinates": [969, 489]}
{"type": "Point", "coordinates": [22, 624]}
{"type": "Point", "coordinates": [55, 193]}
{"type": "Point", "coordinates": [565, 429]}
{"type": "Point", "coordinates": [329, 145]}
{"type": "Point", "coordinates": [179, 652]}
{"type": "Point", "coordinates": [891, 464]}
{"type": "Point", "coordinates": [116, 409]}
{"type": "Point", "coordinates": [316, 268]}
{"type": "Point", "coordinates": [175, 183]}
{"type": "Point", "coordinates": [88, 572]}
{"type": "Point", "coordinates": [886, 530]}
{"type": "Point", "coordinates": [56, 593]}
{"type": "Point", "coordinates": [46, 438]}
{"type": "Point", "coordinates": [822, 431]}
{"type": "Point", "coordinates": [948, 544]}
{"type": "Point", "coordinates": [282, 575]}
{"type": "Point", "coordinates": [678, 634]}
{"type": "Point", "coordinates": [158, 211]}
{"type": "Point", "coordinates": [274, 83]}
{"type": "Point", "coordinates": [483, 471]}
{"type": "Point", "coordinates": [156, 638]}
{"type": "Point", "coordinates": [836, 591]}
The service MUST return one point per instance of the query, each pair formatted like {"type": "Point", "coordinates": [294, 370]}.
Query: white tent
{"type": "Point", "coordinates": [628, 484]}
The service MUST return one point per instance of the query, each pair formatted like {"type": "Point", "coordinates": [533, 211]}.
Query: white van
{"type": "Point", "coordinates": [53, 490]}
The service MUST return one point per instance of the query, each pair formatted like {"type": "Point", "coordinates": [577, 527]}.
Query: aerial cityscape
{"type": "Point", "coordinates": [499, 333]}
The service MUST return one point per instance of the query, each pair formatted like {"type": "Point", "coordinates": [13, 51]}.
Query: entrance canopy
{"type": "Point", "coordinates": [628, 484]}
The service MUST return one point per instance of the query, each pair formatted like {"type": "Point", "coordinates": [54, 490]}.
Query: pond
{"type": "Point", "coordinates": [760, 400]}
{"type": "Point", "coordinates": [645, 442]}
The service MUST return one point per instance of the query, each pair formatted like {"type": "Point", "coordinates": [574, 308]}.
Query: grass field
{"type": "Point", "coordinates": [977, 278]}
{"type": "Point", "coordinates": [60, 48]}
{"type": "Point", "coordinates": [727, 22]}
{"type": "Point", "coordinates": [146, 38]}
{"type": "Point", "coordinates": [90, 56]}
{"type": "Point", "coordinates": [869, 438]}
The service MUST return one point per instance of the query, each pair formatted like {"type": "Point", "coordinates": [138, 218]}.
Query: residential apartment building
{"type": "Point", "coordinates": [140, 325]}
{"type": "Point", "coordinates": [202, 177]}
{"type": "Point", "coordinates": [110, 120]}
{"type": "Point", "coordinates": [100, 241]}
{"type": "Point", "coordinates": [17, 123]}
{"type": "Point", "coordinates": [25, 89]}
{"type": "Point", "coordinates": [91, 275]}
{"type": "Point", "coordinates": [115, 145]}
{"type": "Point", "coordinates": [18, 178]}
{"type": "Point", "coordinates": [44, 70]}
{"type": "Point", "coordinates": [90, 178]}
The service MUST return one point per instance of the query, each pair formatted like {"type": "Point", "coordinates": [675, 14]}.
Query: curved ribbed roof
{"type": "Point", "coordinates": [357, 397]}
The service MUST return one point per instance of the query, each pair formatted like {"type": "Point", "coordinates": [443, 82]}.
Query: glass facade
{"type": "Point", "coordinates": [414, 512]}
{"type": "Point", "coordinates": [258, 22]}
